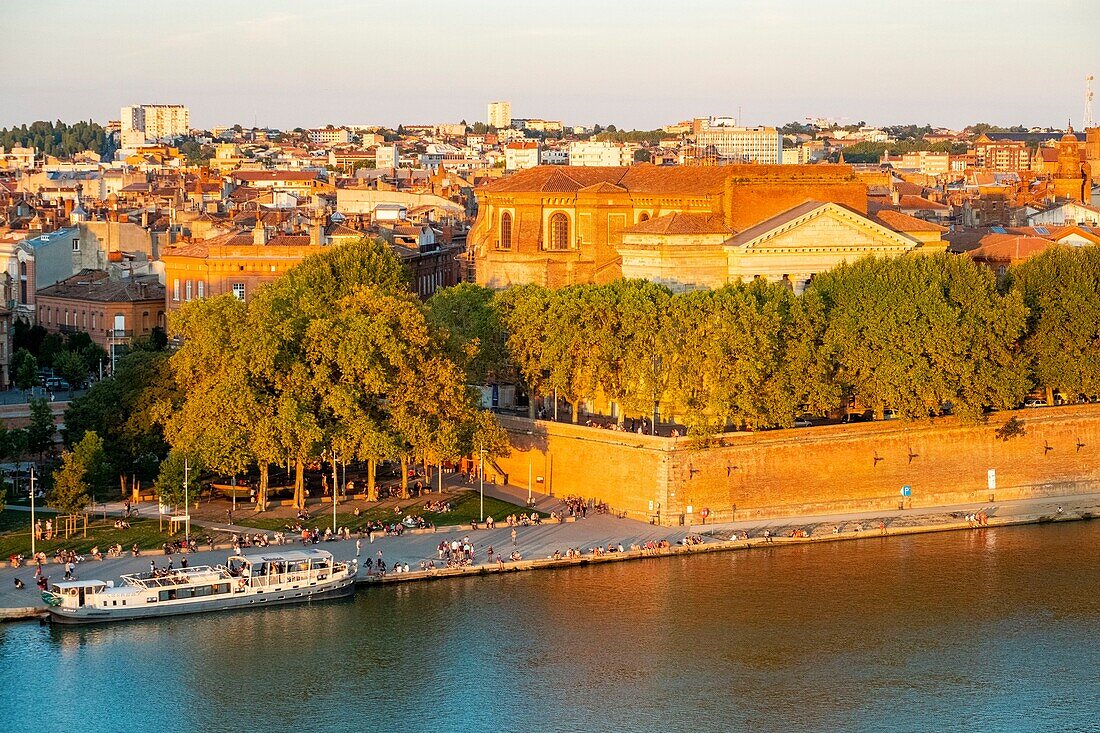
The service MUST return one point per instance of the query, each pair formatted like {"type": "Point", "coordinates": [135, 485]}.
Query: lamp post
{"type": "Point", "coordinates": [33, 549]}
{"type": "Point", "coordinates": [186, 502]}
{"type": "Point", "coordinates": [335, 490]}
{"type": "Point", "coordinates": [481, 479]}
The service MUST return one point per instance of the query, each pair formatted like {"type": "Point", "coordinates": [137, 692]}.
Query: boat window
{"type": "Point", "coordinates": [202, 590]}
{"type": "Point", "coordinates": [223, 587]}
{"type": "Point", "coordinates": [183, 593]}
{"type": "Point", "coordinates": [164, 595]}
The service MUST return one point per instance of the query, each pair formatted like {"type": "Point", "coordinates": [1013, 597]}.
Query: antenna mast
{"type": "Point", "coordinates": [1088, 121]}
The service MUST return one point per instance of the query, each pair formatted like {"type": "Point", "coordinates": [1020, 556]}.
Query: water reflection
{"type": "Point", "coordinates": [990, 629]}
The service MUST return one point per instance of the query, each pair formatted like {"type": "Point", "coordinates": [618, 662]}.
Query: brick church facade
{"type": "Point", "coordinates": [686, 226]}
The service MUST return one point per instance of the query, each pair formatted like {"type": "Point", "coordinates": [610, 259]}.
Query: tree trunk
{"type": "Point", "coordinates": [300, 483]}
{"type": "Point", "coordinates": [404, 476]}
{"type": "Point", "coordinates": [122, 484]}
{"type": "Point", "coordinates": [261, 493]}
{"type": "Point", "coordinates": [574, 407]}
{"type": "Point", "coordinates": [1050, 395]}
{"type": "Point", "coordinates": [372, 488]}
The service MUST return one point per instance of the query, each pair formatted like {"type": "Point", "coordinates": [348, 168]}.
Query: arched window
{"type": "Point", "coordinates": [506, 230]}
{"type": "Point", "coordinates": [643, 217]}
{"type": "Point", "coordinates": [559, 231]}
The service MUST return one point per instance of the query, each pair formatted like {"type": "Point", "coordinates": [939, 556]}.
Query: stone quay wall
{"type": "Point", "coordinates": [809, 471]}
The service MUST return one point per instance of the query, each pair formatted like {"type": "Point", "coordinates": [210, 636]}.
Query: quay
{"type": "Point", "coordinates": [537, 543]}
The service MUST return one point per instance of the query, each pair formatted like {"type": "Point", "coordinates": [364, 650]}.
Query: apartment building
{"type": "Point", "coordinates": [600, 154]}
{"type": "Point", "coordinates": [499, 115]}
{"type": "Point", "coordinates": [154, 122]}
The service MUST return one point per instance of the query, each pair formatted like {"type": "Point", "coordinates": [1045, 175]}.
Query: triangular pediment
{"type": "Point", "coordinates": [826, 226]}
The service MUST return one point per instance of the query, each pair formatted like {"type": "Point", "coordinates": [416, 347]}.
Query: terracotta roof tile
{"type": "Point", "coordinates": [900, 222]}
{"type": "Point", "coordinates": [681, 223]}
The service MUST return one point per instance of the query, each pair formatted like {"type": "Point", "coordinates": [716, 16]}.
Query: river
{"type": "Point", "coordinates": [993, 629]}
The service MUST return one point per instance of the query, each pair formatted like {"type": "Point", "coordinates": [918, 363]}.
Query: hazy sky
{"type": "Point", "coordinates": [633, 63]}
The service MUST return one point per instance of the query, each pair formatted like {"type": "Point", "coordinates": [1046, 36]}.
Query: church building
{"type": "Point", "coordinates": [685, 226]}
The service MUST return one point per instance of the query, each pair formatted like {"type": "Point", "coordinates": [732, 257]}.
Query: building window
{"type": "Point", "coordinates": [188, 291]}
{"type": "Point", "coordinates": [238, 291]}
{"type": "Point", "coordinates": [643, 217]}
{"type": "Point", "coordinates": [202, 289]}
{"type": "Point", "coordinates": [176, 290]}
{"type": "Point", "coordinates": [506, 231]}
{"type": "Point", "coordinates": [559, 231]}
{"type": "Point", "coordinates": [76, 245]}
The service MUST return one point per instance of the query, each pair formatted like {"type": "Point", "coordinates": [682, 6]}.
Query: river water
{"type": "Point", "coordinates": [991, 630]}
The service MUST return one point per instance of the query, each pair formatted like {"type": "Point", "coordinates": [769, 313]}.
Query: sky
{"type": "Point", "coordinates": [633, 63]}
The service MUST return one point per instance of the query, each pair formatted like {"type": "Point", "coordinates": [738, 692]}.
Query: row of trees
{"type": "Point", "coordinates": [336, 357]}
{"type": "Point", "coordinates": [59, 139]}
{"type": "Point", "coordinates": [910, 334]}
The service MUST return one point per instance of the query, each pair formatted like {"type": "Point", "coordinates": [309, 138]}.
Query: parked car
{"type": "Point", "coordinates": [802, 422]}
{"type": "Point", "coordinates": [889, 414]}
{"type": "Point", "coordinates": [1034, 402]}
{"type": "Point", "coordinates": [852, 417]}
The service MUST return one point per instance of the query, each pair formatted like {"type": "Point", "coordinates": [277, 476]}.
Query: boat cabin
{"type": "Point", "coordinates": [75, 593]}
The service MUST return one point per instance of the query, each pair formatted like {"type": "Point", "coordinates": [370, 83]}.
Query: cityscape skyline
{"type": "Point", "coordinates": [945, 65]}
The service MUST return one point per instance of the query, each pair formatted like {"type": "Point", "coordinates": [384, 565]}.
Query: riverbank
{"type": "Point", "coordinates": [537, 544]}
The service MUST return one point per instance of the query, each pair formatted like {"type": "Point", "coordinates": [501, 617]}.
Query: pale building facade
{"type": "Point", "coordinates": [739, 144]}
{"type": "Point", "coordinates": [499, 115]}
{"type": "Point", "coordinates": [521, 155]}
{"type": "Point", "coordinates": [600, 154]}
{"type": "Point", "coordinates": [155, 121]}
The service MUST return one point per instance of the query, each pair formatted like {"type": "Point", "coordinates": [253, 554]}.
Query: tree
{"type": "Point", "coordinates": [1061, 289]}
{"type": "Point", "coordinates": [90, 454]}
{"type": "Point", "coordinates": [122, 410]}
{"type": "Point", "coordinates": [470, 326]}
{"type": "Point", "coordinates": [174, 470]}
{"type": "Point", "coordinates": [79, 474]}
{"type": "Point", "coordinates": [24, 368]}
{"type": "Point", "coordinates": [71, 366]}
{"type": "Point", "coordinates": [914, 332]}
{"type": "Point", "coordinates": [41, 430]}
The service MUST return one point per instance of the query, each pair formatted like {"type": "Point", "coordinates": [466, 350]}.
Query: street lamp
{"type": "Point", "coordinates": [33, 549]}
{"type": "Point", "coordinates": [186, 503]}
{"type": "Point", "coordinates": [482, 481]}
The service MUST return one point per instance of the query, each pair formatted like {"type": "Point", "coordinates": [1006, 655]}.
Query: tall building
{"type": "Point", "coordinates": [719, 140]}
{"type": "Point", "coordinates": [499, 115]}
{"type": "Point", "coordinates": [154, 122]}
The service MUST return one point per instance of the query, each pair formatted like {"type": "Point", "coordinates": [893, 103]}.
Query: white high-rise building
{"type": "Point", "coordinates": [155, 121]}
{"type": "Point", "coordinates": [738, 144]}
{"type": "Point", "coordinates": [499, 115]}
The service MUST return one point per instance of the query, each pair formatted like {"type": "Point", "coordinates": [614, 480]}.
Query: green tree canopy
{"type": "Point", "coordinates": [81, 474]}
{"type": "Point", "coordinates": [1061, 289]}
{"type": "Point", "coordinates": [914, 332]}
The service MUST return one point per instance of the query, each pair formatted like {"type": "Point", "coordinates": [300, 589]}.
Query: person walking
{"type": "Point", "coordinates": [513, 536]}
{"type": "Point", "coordinates": [358, 546]}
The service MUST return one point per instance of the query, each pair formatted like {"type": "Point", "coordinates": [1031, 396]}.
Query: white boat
{"type": "Point", "coordinates": [245, 581]}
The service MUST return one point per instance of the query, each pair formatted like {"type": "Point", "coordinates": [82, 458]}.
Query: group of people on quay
{"type": "Point", "coordinates": [979, 519]}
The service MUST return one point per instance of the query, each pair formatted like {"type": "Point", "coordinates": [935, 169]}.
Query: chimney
{"type": "Point", "coordinates": [895, 196]}
{"type": "Point", "coordinates": [316, 229]}
{"type": "Point", "coordinates": [259, 232]}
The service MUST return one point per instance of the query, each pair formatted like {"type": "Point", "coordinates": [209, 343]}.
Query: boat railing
{"type": "Point", "coordinates": [171, 578]}
{"type": "Point", "coordinates": [297, 576]}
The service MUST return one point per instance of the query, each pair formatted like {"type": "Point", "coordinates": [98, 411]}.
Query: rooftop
{"type": "Point", "coordinates": [99, 286]}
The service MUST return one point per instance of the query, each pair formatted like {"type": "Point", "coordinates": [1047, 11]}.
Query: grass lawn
{"type": "Point", "coordinates": [15, 537]}
{"type": "Point", "coordinates": [466, 509]}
